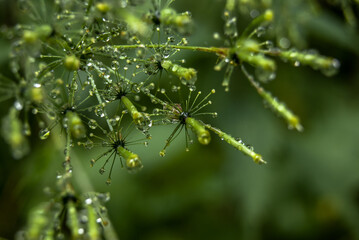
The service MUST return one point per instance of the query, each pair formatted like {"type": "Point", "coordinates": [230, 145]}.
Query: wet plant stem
{"type": "Point", "coordinates": [220, 51]}
{"type": "Point", "coordinates": [99, 99]}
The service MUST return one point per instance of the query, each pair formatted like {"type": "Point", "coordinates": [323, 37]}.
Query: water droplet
{"type": "Point", "coordinates": [92, 162]}
{"type": "Point", "coordinates": [51, 114]}
{"type": "Point", "coordinates": [260, 31]}
{"type": "Point", "coordinates": [150, 123]}
{"type": "Point", "coordinates": [37, 85]}
{"type": "Point", "coordinates": [44, 133]}
{"type": "Point", "coordinates": [166, 54]}
{"type": "Point", "coordinates": [108, 181]}
{"type": "Point", "coordinates": [26, 129]}
{"type": "Point", "coordinates": [123, 56]}
{"type": "Point", "coordinates": [104, 197]}
{"type": "Point", "coordinates": [191, 87]}
{"type": "Point", "coordinates": [113, 122]}
{"type": "Point", "coordinates": [284, 43]}
{"type": "Point", "coordinates": [18, 105]}
{"type": "Point", "coordinates": [115, 65]}
{"type": "Point", "coordinates": [230, 27]}
{"type": "Point", "coordinates": [83, 219]}
{"type": "Point", "coordinates": [216, 36]}
{"type": "Point", "coordinates": [332, 69]}
{"type": "Point", "coordinates": [254, 13]}
{"type": "Point", "coordinates": [99, 111]}
{"type": "Point", "coordinates": [89, 144]}
{"type": "Point", "coordinates": [92, 124]}
{"type": "Point", "coordinates": [81, 231]}
{"type": "Point", "coordinates": [171, 39]}
{"type": "Point", "coordinates": [134, 163]}
{"type": "Point", "coordinates": [162, 153]}
{"type": "Point", "coordinates": [174, 88]}
{"type": "Point", "coordinates": [137, 98]}
{"type": "Point", "coordinates": [34, 111]}
{"type": "Point", "coordinates": [264, 75]}
{"type": "Point", "coordinates": [123, 3]}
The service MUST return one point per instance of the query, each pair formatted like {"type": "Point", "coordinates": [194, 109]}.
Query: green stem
{"type": "Point", "coordinates": [267, 16]}
{"type": "Point", "coordinates": [238, 144]}
{"type": "Point", "coordinates": [279, 107]}
{"type": "Point", "coordinates": [219, 51]}
{"type": "Point", "coordinates": [73, 223]}
{"type": "Point", "coordinates": [89, 7]}
{"type": "Point", "coordinates": [135, 114]}
{"type": "Point", "coordinates": [67, 157]}
{"type": "Point", "coordinates": [98, 96]}
{"type": "Point", "coordinates": [72, 92]}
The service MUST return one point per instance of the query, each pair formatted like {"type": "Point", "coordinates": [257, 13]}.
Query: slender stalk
{"type": "Point", "coordinates": [238, 144]}
{"type": "Point", "coordinates": [67, 152]}
{"type": "Point", "coordinates": [99, 99]}
{"type": "Point", "coordinates": [219, 51]}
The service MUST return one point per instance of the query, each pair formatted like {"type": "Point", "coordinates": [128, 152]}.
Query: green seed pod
{"type": "Point", "coordinates": [37, 95]}
{"type": "Point", "coordinates": [188, 76]}
{"type": "Point", "coordinates": [137, 117]}
{"type": "Point", "coordinates": [40, 32]}
{"type": "Point", "coordinates": [247, 51]}
{"type": "Point", "coordinates": [277, 106]}
{"type": "Point", "coordinates": [103, 7]}
{"type": "Point", "coordinates": [72, 220]}
{"type": "Point", "coordinates": [92, 225]}
{"type": "Point", "coordinates": [266, 17]}
{"type": "Point", "coordinates": [258, 60]}
{"type": "Point", "coordinates": [43, 31]}
{"type": "Point", "coordinates": [329, 66]}
{"type": "Point", "coordinates": [230, 4]}
{"type": "Point", "coordinates": [29, 36]}
{"type": "Point", "coordinates": [202, 133]}
{"type": "Point", "coordinates": [248, 45]}
{"type": "Point", "coordinates": [38, 222]}
{"type": "Point", "coordinates": [133, 162]}
{"type": "Point", "coordinates": [168, 15]}
{"type": "Point", "coordinates": [136, 25]}
{"type": "Point", "coordinates": [13, 133]}
{"type": "Point", "coordinates": [280, 108]}
{"type": "Point", "coordinates": [77, 128]}
{"type": "Point", "coordinates": [181, 21]}
{"type": "Point", "coordinates": [72, 63]}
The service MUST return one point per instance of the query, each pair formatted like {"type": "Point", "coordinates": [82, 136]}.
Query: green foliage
{"type": "Point", "coordinates": [95, 73]}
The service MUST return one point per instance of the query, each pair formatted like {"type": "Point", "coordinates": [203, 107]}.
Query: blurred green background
{"type": "Point", "coordinates": [308, 190]}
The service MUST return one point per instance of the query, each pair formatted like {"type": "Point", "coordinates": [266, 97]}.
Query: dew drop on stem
{"type": "Point", "coordinates": [102, 170]}
{"type": "Point", "coordinates": [44, 133]}
{"type": "Point", "coordinates": [163, 153]}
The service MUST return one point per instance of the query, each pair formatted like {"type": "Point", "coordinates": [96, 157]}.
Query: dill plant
{"type": "Point", "coordinates": [73, 62]}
